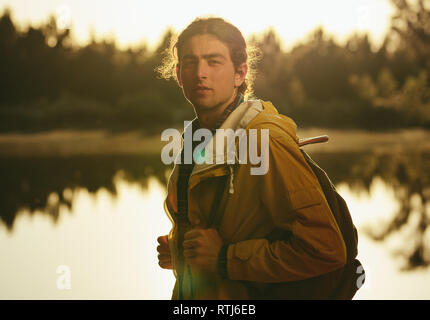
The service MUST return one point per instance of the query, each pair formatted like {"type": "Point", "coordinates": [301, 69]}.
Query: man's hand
{"type": "Point", "coordinates": [201, 249]}
{"type": "Point", "coordinates": [164, 257]}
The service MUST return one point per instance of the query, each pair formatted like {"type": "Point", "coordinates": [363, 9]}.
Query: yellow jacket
{"type": "Point", "coordinates": [286, 202]}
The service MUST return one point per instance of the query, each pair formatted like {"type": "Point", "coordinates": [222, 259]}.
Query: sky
{"type": "Point", "coordinates": [132, 22]}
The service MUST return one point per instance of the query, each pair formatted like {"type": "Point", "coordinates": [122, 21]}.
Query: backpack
{"type": "Point", "coordinates": [351, 277]}
{"type": "Point", "coordinates": [341, 284]}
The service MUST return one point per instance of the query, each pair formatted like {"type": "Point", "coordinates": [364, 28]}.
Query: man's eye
{"type": "Point", "coordinates": [213, 62]}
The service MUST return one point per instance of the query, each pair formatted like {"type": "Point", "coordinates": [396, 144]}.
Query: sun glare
{"type": "Point", "coordinates": [132, 22]}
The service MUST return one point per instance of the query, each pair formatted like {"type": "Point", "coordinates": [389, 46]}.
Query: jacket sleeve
{"type": "Point", "coordinates": [294, 200]}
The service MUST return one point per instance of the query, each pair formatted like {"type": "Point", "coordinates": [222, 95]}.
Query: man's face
{"type": "Point", "coordinates": [206, 72]}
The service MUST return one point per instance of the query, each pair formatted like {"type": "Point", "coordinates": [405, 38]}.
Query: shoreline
{"type": "Point", "coordinates": [99, 142]}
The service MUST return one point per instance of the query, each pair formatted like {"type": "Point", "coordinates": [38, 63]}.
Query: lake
{"type": "Point", "coordinates": [79, 217]}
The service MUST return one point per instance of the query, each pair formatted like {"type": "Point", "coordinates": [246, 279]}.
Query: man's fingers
{"type": "Point", "coordinates": [163, 239]}
{"type": "Point", "coordinates": [164, 253]}
{"type": "Point", "coordinates": [194, 233]}
{"type": "Point", "coordinates": [163, 250]}
{"type": "Point", "coordinates": [191, 243]}
{"type": "Point", "coordinates": [190, 253]}
{"type": "Point", "coordinates": [163, 246]}
{"type": "Point", "coordinates": [164, 260]}
{"type": "Point", "coordinates": [164, 257]}
{"type": "Point", "coordinates": [165, 265]}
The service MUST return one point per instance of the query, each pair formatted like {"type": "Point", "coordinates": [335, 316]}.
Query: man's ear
{"type": "Point", "coordinates": [240, 75]}
{"type": "Point", "coordinates": [178, 75]}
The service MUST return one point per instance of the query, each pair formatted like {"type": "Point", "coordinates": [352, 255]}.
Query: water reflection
{"type": "Point", "coordinates": [46, 182]}
{"type": "Point", "coordinates": [409, 176]}
{"type": "Point", "coordinates": [108, 243]}
{"type": "Point", "coordinates": [102, 214]}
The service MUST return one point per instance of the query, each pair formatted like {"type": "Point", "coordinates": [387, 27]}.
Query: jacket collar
{"type": "Point", "coordinates": [238, 119]}
{"type": "Point", "coordinates": [241, 117]}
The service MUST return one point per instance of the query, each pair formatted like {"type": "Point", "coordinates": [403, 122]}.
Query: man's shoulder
{"type": "Point", "coordinates": [281, 127]}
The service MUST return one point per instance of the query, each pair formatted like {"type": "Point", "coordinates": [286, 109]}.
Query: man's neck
{"type": "Point", "coordinates": [209, 118]}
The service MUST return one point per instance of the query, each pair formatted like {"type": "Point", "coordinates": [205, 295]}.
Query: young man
{"type": "Point", "coordinates": [276, 230]}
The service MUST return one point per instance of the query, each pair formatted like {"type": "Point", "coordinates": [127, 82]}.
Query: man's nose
{"type": "Point", "coordinates": [202, 69]}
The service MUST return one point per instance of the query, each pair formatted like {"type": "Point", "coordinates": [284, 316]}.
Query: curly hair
{"type": "Point", "coordinates": [225, 32]}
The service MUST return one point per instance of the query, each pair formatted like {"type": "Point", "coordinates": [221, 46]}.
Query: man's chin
{"type": "Point", "coordinates": [204, 104]}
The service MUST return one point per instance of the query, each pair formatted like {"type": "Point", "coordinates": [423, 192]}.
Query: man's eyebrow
{"type": "Point", "coordinates": [214, 55]}
{"type": "Point", "coordinates": [206, 56]}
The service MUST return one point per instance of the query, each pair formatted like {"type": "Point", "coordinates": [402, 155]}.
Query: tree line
{"type": "Point", "coordinates": [47, 82]}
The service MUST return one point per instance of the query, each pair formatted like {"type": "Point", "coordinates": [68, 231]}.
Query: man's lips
{"type": "Point", "coordinates": [202, 89]}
